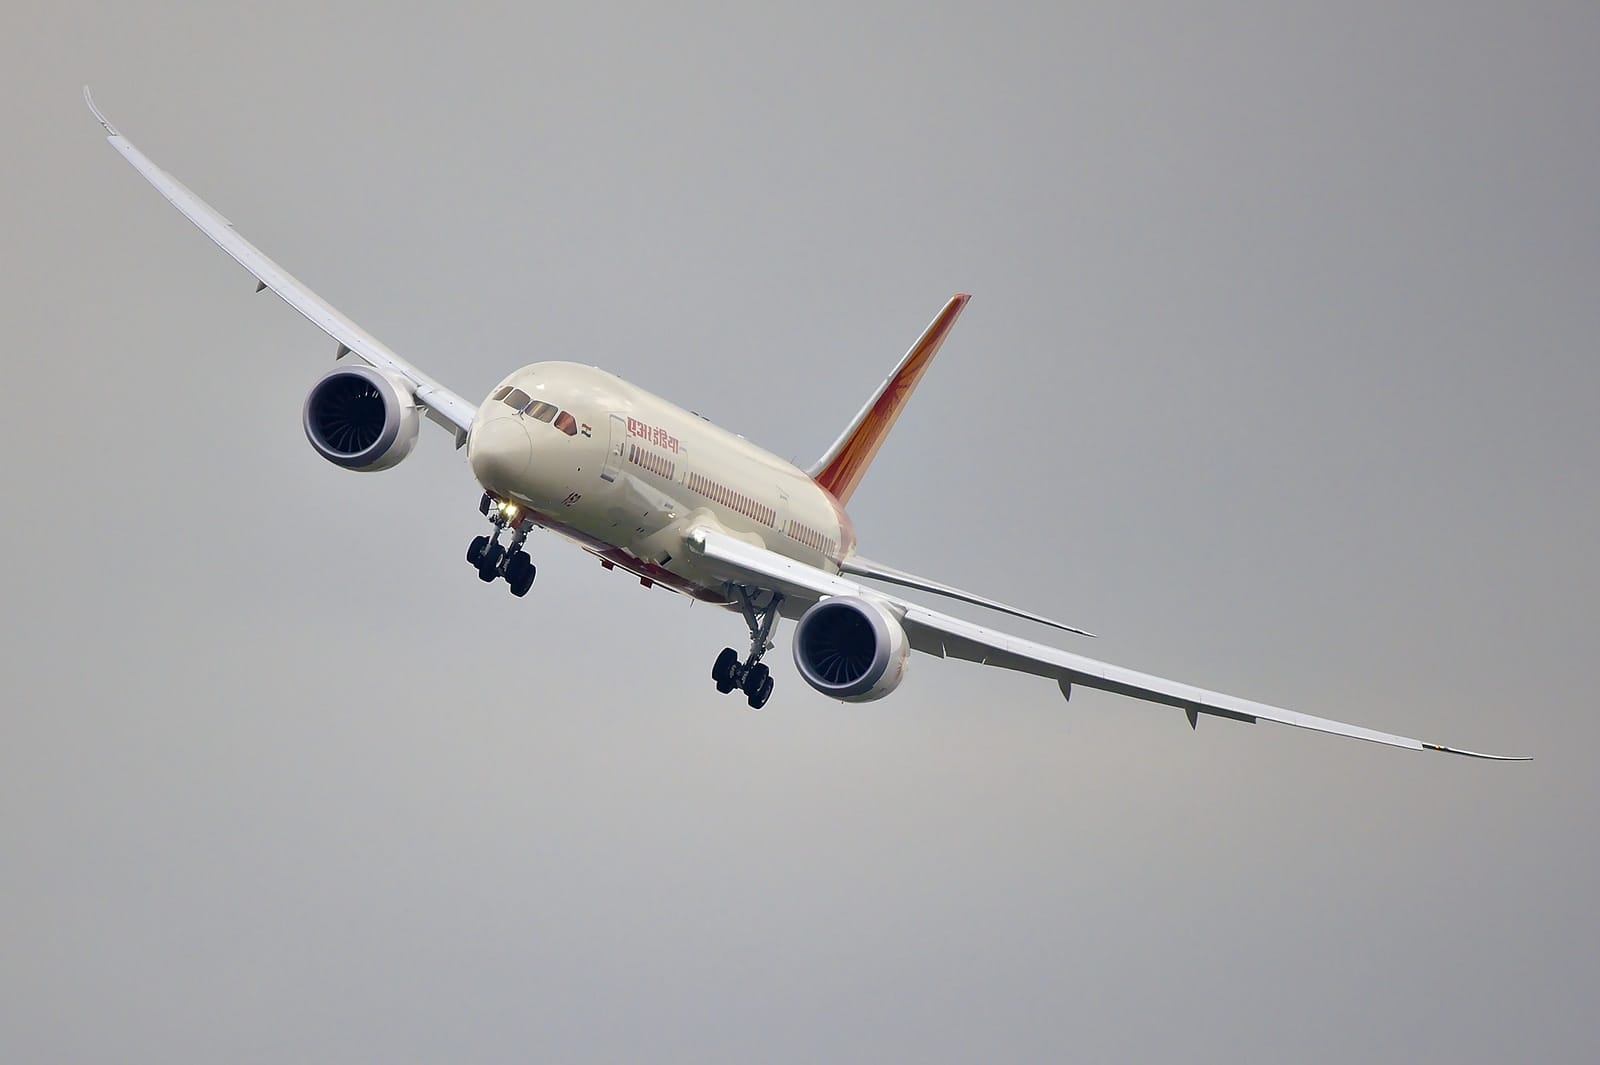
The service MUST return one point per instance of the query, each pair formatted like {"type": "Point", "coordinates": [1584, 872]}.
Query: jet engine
{"type": "Point", "coordinates": [361, 419]}
{"type": "Point", "coordinates": [851, 648]}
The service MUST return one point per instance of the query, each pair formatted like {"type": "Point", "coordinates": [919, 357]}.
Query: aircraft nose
{"type": "Point", "coordinates": [499, 452]}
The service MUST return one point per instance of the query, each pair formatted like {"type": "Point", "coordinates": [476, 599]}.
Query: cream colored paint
{"type": "Point", "coordinates": [640, 511]}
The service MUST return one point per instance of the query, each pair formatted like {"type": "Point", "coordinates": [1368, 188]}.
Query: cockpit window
{"type": "Point", "coordinates": [549, 413]}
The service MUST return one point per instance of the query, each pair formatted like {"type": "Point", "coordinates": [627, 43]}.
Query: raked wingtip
{"type": "Point", "coordinates": [89, 99]}
{"type": "Point", "coordinates": [1476, 754]}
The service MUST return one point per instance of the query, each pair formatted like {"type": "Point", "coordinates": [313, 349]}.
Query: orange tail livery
{"type": "Point", "coordinates": [846, 462]}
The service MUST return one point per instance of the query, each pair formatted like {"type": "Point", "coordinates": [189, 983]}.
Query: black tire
{"type": "Point", "coordinates": [758, 698]}
{"type": "Point", "coordinates": [724, 670]}
{"type": "Point", "coordinates": [754, 678]}
{"type": "Point", "coordinates": [489, 566]}
{"type": "Point", "coordinates": [476, 548]}
{"type": "Point", "coordinates": [520, 572]}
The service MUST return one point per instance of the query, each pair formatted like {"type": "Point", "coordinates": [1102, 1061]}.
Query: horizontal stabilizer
{"type": "Point", "coordinates": [864, 568]}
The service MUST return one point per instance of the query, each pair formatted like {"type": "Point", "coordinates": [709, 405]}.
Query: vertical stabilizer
{"type": "Point", "coordinates": [846, 462]}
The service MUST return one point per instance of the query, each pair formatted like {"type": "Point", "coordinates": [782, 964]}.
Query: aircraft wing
{"type": "Point", "coordinates": [948, 637]}
{"type": "Point", "coordinates": [443, 406]}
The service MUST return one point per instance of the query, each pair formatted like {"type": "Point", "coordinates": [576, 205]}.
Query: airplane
{"type": "Point", "coordinates": [663, 494]}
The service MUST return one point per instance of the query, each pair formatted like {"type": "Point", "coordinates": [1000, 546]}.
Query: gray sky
{"type": "Point", "coordinates": [1280, 374]}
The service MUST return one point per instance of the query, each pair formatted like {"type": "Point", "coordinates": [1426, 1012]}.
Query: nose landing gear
{"type": "Point", "coordinates": [750, 676]}
{"type": "Point", "coordinates": [491, 560]}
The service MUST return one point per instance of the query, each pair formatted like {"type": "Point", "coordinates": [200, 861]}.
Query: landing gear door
{"type": "Point", "coordinates": [619, 441]}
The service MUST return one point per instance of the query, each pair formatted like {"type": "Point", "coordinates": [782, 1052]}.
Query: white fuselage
{"type": "Point", "coordinates": [626, 473]}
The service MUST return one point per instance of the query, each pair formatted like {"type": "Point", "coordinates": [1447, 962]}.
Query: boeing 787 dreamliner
{"type": "Point", "coordinates": [650, 488]}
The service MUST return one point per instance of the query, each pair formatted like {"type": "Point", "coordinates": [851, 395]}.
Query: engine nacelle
{"type": "Point", "coordinates": [361, 419]}
{"type": "Point", "coordinates": [851, 649]}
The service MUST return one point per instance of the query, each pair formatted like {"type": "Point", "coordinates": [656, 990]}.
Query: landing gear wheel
{"type": "Point", "coordinates": [758, 698]}
{"type": "Point", "coordinates": [755, 678]}
{"type": "Point", "coordinates": [520, 572]}
{"type": "Point", "coordinates": [489, 565]}
{"type": "Point", "coordinates": [476, 548]}
{"type": "Point", "coordinates": [726, 670]}
{"type": "Point", "coordinates": [750, 676]}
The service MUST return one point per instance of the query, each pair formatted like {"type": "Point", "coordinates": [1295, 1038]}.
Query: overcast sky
{"type": "Point", "coordinates": [1280, 373]}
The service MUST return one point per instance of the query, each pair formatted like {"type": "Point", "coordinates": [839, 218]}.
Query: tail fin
{"type": "Point", "coordinates": [846, 462]}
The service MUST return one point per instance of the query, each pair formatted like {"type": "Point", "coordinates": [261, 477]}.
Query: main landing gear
{"type": "Point", "coordinates": [493, 561]}
{"type": "Point", "coordinates": [750, 676]}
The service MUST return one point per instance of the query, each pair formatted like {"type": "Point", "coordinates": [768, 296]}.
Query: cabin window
{"type": "Point", "coordinates": [566, 423]}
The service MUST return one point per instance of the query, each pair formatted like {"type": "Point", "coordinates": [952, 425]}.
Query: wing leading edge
{"type": "Point", "coordinates": [443, 406]}
{"type": "Point", "coordinates": [948, 637]}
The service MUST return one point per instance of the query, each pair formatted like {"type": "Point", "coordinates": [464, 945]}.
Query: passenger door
{"type": "Point", "coordinates": [619, 441]}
